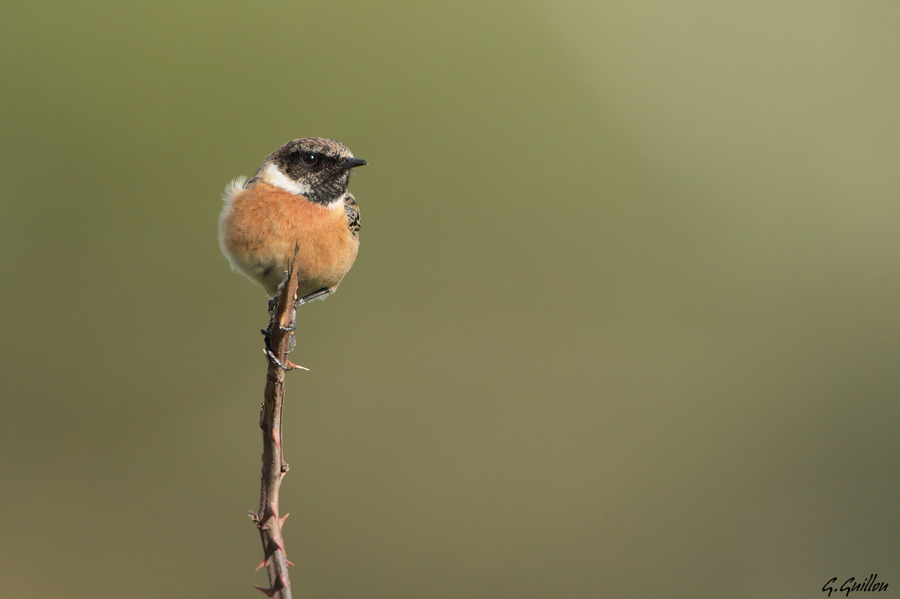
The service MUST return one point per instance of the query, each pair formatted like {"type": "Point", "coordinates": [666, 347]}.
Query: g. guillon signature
{"type": "Point", "coordinates": [851, 585]}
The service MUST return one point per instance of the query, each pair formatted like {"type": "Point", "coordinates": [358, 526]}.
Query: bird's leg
{"type": "Point", "coordinates": [312, 296]}
{"type": "Point", "coordinates": [267, 332]}
{"type": "Point", "coordinates": [290, 327]}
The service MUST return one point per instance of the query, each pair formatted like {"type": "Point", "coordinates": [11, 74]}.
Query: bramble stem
{"type": "Point", "coordinates": [268, 520]}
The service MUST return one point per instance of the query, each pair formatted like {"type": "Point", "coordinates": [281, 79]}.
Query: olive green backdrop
{"type": "Point", "coordinates": [625, 320]}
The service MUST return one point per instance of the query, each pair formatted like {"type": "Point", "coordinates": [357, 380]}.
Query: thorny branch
{"type": "Point", "coordinates": [279, 341]}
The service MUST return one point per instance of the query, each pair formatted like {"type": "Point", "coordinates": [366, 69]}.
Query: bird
{"type": "Point", "coordinates": [297, 198]}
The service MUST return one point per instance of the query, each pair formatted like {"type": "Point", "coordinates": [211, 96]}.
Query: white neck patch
{"type": "Point", "coordinates": [276, 178]}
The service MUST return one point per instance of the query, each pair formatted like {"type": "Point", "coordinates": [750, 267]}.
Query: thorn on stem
{"type": "Point", "coordinates": [286, 367]}
{"type": "Point", "coordinates": [273, 546]}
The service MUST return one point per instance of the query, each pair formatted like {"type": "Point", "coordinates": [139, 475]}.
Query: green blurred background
{"type": "Point", "coordinates": [624, 321]}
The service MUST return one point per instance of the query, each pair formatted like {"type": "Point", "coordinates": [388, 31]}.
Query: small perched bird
{"type": "Point", "coordinates": [298, 196]}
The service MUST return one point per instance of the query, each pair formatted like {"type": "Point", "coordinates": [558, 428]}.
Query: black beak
{"type": "Point", "coordinates": [354, 162]}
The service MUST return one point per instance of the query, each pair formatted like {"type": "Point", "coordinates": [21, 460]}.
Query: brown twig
{"type": "Point", "coordinates": [279, 341]}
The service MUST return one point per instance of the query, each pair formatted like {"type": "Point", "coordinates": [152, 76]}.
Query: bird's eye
{"type": "Point", "coordinates": [309, 158]}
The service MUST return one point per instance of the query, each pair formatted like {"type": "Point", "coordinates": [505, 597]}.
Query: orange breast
{"type": "Point", "coordinates": [262, 224]}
